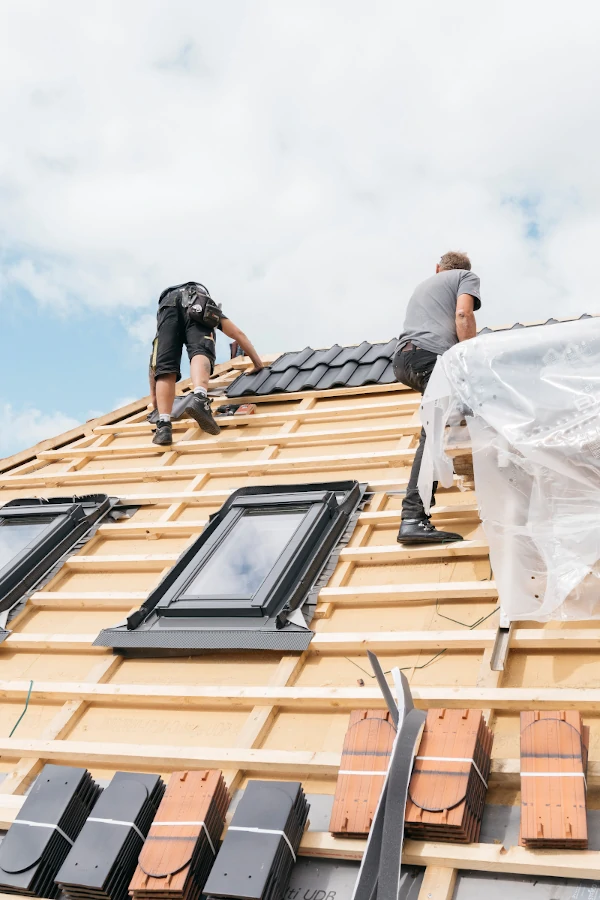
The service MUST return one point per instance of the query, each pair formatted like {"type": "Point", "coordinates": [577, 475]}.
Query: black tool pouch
{"type": "Point", "coordinates": [202, 309]}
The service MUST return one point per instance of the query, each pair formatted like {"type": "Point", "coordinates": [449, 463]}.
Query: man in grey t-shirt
{"type": "Point", "coordinates": [440, 313]}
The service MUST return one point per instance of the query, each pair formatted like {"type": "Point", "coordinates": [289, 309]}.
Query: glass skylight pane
{"type": "Point", "coordinates": [15, 536]}
{"type": "Point", "coordinates": [244, 559]}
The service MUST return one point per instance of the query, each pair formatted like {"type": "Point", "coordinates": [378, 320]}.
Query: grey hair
{"type": "Point", "coordinates": [454, 259]}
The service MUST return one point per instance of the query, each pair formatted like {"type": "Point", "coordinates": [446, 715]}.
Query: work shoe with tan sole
{"type": "Point", "coordinates": [199, 409]}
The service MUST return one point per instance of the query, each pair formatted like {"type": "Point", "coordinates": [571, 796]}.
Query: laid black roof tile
{"type": "Point", "coordinates": [310, 369]}
{"type": "Point", "coordinates": [307, 380]}
{"type": "Point", "coordinates": [285, 379]}
{"type": "Point", "coordinates": [389, 376]}
{"type": "Point", "coordinates": [292, 359]}
{"type": "Point", "coordinates": [353, 354]}
{"type": "Point", "coordinates": [376, 370]}
{"type": "Point", "coordinates": [380, 351]}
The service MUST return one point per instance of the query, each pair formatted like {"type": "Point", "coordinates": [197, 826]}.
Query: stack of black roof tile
{"type": "Point", "coordinates": [45, 829]}
{"type": "Point", "coordinates": [104, 856]}
{"type": "Point", "coordinates": [320, 370]}
{"type": "Point", "coordinates": [256, 858]}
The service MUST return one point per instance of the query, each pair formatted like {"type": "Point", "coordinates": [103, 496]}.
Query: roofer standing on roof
{"type": "Point", "coordinates": [440, 313]}
{"type": "Point", "coordinates": [188, 315]}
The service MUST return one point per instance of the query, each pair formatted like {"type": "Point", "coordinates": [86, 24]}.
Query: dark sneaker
{"type": "Point", "coordinates": [421, 531]}
{"type": "Point", "coordinates": [199, 409]}
{"type": "Point", "coordinates": [163, 434]}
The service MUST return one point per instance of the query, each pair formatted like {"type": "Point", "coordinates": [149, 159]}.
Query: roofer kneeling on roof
{"type": "Point", "coordinates": [439, 315]}
{"type": "Point", "coordinates": [188, 315]}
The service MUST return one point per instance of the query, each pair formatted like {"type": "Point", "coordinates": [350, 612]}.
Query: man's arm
{"type": "Point", "coordinates": [233, 332]}
{"type": "Point", "coordinates": [465, 317]}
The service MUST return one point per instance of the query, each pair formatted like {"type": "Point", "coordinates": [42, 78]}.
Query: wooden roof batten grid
{"type": "Point", "coordinates": [290, 711]}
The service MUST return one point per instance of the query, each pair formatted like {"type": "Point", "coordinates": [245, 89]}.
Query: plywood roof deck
{"type": "Point", "coordinates": [269, 714]}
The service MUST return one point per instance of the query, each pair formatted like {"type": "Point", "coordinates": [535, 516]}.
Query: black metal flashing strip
{"type": "Point", "coordinates": [85, 513]}
{"type": "Point", "coordinates": [379, 876]}
{"type": "Point", "coordinates": [177, 642]}
{"type": "Point", "coordinates": [150, 629]}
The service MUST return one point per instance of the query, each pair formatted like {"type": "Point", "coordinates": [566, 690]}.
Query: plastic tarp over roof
{"type": "Point", "coordinates": [532, 404]}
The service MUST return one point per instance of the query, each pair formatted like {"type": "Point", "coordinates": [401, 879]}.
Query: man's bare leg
{"type": "Point", "coordinates": [199, 372]}
{"type": "Point", "coordinates": [165, 393]}
{"type": "Point", "coordinates": [198, 406]}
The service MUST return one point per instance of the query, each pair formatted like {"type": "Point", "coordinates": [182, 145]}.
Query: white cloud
{"type": "Point", "coordinates": [309, 162]}
{"type": "Point", "coordinates": [24, 428]}
{"type": "Point", "coordinates": [142, 329]}
{"type": "Point", "coordinates": [124, 401]}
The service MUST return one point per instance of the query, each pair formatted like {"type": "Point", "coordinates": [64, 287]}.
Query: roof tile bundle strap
{"type": "Point", "coordinates": [183, 840]}
{"type": "Point", "coordinates": [45, 830]}
{"type": "Point", "coordinates": [554, 753]}
{"type": "Point", "coordinates": [104, 856]}
{"type": "Point", "coordinates": [259, 850]}
{"type": "Point", "coordinates": [450, 777]}
{"type": "Point", "coordinates": [365, 760]}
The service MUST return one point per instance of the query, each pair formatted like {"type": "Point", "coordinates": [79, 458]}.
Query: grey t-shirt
{"type": "Point", "coordinates": [430, 321]}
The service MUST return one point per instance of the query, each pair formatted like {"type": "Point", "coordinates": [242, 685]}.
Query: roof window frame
{"type": "Point", "coordinates": [72, 518]}
{"type": "Point", "coordinates": [318, 508]}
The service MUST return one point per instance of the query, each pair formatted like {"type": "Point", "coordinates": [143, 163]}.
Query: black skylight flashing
{"type": "Point", "coordinates": [149, 632]}
{"type": "Point", "coordinates": [70, 519]}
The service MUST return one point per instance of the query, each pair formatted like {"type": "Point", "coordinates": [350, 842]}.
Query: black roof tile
{"type": "Point", "coordinates": [310, 369]}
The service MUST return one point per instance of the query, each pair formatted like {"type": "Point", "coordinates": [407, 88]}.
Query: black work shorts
{"type": "Point", "coordinates": [174, 329]}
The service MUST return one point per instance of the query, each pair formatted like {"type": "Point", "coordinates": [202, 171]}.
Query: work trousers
{"type": "Point", "coordinates": [413, 368]}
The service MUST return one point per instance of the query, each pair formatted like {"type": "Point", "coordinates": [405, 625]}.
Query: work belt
{"type": "Point", "coordinates": [409, 346]}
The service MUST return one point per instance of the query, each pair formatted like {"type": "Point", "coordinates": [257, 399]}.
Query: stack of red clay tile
{"type": "Point", "coordinates": [365, 759]}
{"type": "Point", "coordinates": [446, 795]}
{"type": "Point", "coordinates": [184, 838]}
{"type": "Point", "coordinates": [554, 752]}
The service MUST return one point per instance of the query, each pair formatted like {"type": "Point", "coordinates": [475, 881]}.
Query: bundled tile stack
{"type": "Point", "coordinates": [184, 837]}
{"type": "Point", "coordinates": [103, 858]}
{"type": "Point", "coordinates": [365, 760]}
{"type": "Point", "coordinates": [259, 850]}
{"type": "Point", "coordinates": [554, 753]}
{"type": "Point", "coordinates": [447, 790]}
{"type": "Point", "coordinates": [46, 826]}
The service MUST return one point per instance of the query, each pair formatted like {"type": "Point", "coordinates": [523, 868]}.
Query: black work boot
{"type": "Point", "coordinates": [421, 531]}
{"type": "Point", "coordinates": [199, 409]}
{"type": "Point", "coordinates": [163, 434]}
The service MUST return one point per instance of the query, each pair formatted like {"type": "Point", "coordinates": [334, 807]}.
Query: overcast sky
{"type": "Point", "coordinates": [308, 161]}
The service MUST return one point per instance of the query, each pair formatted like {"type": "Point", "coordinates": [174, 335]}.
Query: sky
{"type": "Point", "coordinates": [308, 161]}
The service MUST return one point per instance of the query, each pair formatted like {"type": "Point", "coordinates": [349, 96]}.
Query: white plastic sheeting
{"type": "Point", "coordinates": [532, 403]}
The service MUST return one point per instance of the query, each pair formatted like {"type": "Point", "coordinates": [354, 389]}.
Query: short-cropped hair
{"type": "Point", "coordinates": [455, 260]}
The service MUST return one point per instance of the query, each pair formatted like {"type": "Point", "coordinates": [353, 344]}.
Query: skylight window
{"type": "Point", "coordinates": [35, 535]}
{"type": "Point", "coordinates": [242, 561]}
{"type": "Point", "coordinates": [16, 536]}
{"type": "Point", "coordinates": [244, 583]}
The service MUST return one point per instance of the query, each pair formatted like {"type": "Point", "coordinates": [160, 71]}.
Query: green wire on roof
{"type": "Point", "coordinates": [24, 711]}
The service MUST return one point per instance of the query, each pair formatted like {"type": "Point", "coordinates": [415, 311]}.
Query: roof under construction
{"type": "Point", "coordinates": [328, 448]}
